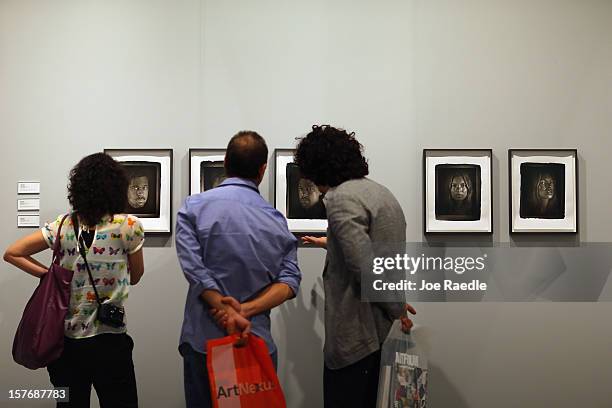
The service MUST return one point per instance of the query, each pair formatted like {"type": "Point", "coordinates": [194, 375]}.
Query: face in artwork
{"type": "Point", "coordinates": [304, 200]}
{"type": "Point", "coordinates": [459, 188]}
{"type": "Point", "coordinates": [138, 191]}
{"type": "Point", "coordinates": [308, 193]}
{"type": "Point", "coordinates": [546, 187]}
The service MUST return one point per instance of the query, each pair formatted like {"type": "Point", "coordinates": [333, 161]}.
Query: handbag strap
{"type": "Point", "coordinates": [81, 246]}
{"type": "Point", "coordinates": [57, 244]}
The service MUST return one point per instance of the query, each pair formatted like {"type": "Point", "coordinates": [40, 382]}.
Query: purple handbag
{"type": "Point", "coordinates": [39, 339]}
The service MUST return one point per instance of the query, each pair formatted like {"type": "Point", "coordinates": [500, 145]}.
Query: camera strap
{"type": "Point", "coordinates": [81, 246]}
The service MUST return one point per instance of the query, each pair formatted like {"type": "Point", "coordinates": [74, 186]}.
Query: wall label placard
{"type": "Point", "coordinates": [28, 204]}
{"type": "Point", "coordinates": [28, 187]}
{"type": "Point", "coordinates": [28, 220]}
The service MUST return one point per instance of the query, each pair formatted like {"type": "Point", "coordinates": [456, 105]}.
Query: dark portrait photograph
{"type": "Point", "coordinates": [304, 201]}
{"type": "Point", "coordinates": [458, 192]}
{"type": "Point", "coordinates": [542, 190]}
{"type": "Point", "coordinates": [212, 173]}
{"type": "Point", "coordinates": [144, 188]}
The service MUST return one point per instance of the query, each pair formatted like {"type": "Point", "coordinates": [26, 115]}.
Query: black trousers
{"type": "Point", "coordinates": [104, 361]}
{"type": "Point", "coordinates": [355, 386]}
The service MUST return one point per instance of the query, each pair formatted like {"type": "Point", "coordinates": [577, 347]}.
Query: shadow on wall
{"type": "Point", "coordinates": [14, 376]}
{"type": "Point", "coordinates": [303, 346]}
{"type": "Point", "coordinates": [441, 390]}
{"type": "Point", "coordinates": [158, 241]}
{"type": "Point", "coordinates": [11, 311]}
{"type": "Point", "coordinates": [543, 239]}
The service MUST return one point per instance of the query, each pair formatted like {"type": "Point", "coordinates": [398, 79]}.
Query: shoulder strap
{"type": "Point", "coordinates": [81, 246]}
{"type": "Point", "coordinates": [57, 244]}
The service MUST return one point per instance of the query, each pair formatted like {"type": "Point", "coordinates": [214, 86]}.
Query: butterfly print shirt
{"type": "Point", "coordinates": [115, 237]}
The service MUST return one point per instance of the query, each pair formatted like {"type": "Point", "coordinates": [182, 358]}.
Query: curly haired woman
{"type": "Point", "coordinates": [96, 351]}
{"type": "Point", "coordinates": [360, 212]}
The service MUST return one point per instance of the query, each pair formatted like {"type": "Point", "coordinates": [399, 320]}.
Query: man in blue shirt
{"type": "Point", "coordinates": [237, 253]}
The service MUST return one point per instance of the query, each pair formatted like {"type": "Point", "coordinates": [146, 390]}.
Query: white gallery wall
{"type": "Point", "coordinates": [80, 76]}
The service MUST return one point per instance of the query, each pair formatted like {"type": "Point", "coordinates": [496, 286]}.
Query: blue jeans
{"type": "Point", "coordinates": [195, 375]}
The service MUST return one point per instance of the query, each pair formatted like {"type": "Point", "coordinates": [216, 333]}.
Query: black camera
{"type": "Point", "coordinates": [111, 315]}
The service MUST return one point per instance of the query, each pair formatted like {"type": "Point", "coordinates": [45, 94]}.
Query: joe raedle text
{"type": "Point", "coordinates": [406, 285]}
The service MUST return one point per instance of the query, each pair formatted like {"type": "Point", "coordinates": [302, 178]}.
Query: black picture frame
{"type": "Point", "coordinates": [541, 152]}
{"type": "Point", "coordinates": [193, 152]}
{"type": "Point", "coordinates": [167, 228]}
{"type": "Point", "coordinates": [486, 151]}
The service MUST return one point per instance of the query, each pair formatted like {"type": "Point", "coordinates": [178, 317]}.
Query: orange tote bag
{"type": "Point", "coordinates": [242, 377]}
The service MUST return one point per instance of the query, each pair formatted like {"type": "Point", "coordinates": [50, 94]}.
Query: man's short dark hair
{"type": "Point", "coordinates": [246, 153]}
{"type": "Point", "coordinates": [329, 156]}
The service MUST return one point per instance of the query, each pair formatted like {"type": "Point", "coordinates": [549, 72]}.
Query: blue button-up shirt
{"type": "Point", "coordinates": [231, 240]}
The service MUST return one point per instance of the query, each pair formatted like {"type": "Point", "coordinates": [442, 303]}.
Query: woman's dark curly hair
{"type": "Point", "coordinates": [328, 156]}
{"type": "Point", "coordinates": [97, 187]}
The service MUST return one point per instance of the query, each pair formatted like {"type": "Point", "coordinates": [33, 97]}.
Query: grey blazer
{"type": "Point", "coordinates": [359, 212]}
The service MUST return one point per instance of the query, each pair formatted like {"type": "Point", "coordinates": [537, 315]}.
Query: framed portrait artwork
{"type": "Point", "coordinates": [150, 186]}
{"type": "Point", "coordinates": [206, 169]}
{"type": "Point", "coordinates": [543, 190]}
{"type": "Point", "coordinates": [457, 193]}
{"type": "Point", "coordinates": [296, 197]}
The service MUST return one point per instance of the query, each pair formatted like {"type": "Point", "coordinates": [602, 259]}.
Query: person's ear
{"type": "Point", "coordinates": [262, 170]}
